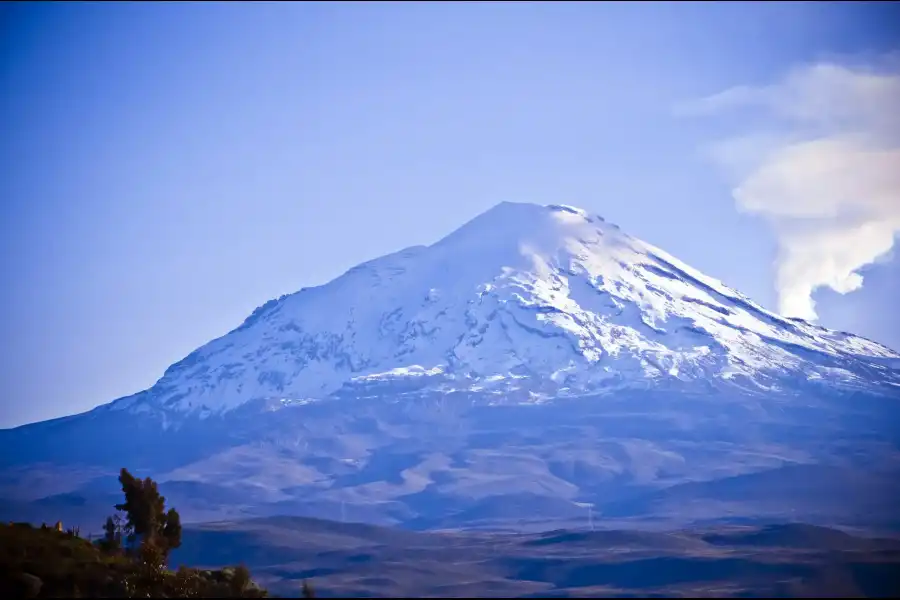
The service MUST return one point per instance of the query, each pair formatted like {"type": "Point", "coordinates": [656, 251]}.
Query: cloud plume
{"type": "Point", "coordinates": [822, 167]}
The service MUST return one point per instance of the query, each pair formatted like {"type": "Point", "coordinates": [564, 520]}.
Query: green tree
{"type": "Point", "coordinates": [151, 532]}
{"type": "Point", "coordinates": [112, 534]}
{"type": "Point", "coordinates": [172, 529]}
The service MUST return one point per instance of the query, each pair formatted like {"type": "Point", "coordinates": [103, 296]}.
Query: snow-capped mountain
{"type": "Point", "coordinates": [534, 359]}
{"type": "Point", "coordinates": [534, 301]}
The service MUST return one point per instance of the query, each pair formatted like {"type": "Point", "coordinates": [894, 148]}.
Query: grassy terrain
{"type": "Point", "coordinates": [355, 560]}
{"type": "Point", "coordinates": [41, 562]}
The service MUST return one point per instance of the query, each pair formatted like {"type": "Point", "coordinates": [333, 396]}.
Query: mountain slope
{"type": "Point", "coordinates": [527, 300]}
{"type": "Point", "coordinates": [533, 360]}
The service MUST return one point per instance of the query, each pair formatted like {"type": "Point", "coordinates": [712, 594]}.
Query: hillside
{"type": "Point", "coordinates": [356, 560]}
{"type": "Point", "coordinates": [42, 562]}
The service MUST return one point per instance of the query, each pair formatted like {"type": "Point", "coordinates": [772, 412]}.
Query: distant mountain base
{"type": "Point", "coordinates": [356, 560]}
{"type": "Point", "coordinates": [813, 494]}
{"type": "Point", "coordinates": [648, 460]}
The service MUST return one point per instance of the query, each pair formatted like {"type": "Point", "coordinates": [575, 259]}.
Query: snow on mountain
{"type": "Point", "coordinates": [545, 301]}
{"type": "Point", "coordinates": [533, 360]}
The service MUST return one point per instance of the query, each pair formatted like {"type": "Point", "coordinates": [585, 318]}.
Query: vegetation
{"type": "Point", "coordinates": [130, 561]}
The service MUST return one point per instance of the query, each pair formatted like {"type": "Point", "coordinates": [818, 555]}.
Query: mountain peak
{"type": "Point", "coordinates": [510, 220]}
{"type": "Point", "coordinates": [523, 302]}
{"type": "Point", "coordinates": [514, 235]}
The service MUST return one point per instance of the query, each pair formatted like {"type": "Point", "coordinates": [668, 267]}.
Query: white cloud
{"type": "Point", "coordinates": [825, 175]}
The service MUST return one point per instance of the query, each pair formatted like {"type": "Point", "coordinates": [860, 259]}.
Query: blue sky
{"type": "Point", "coordinates": [167, 167]}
